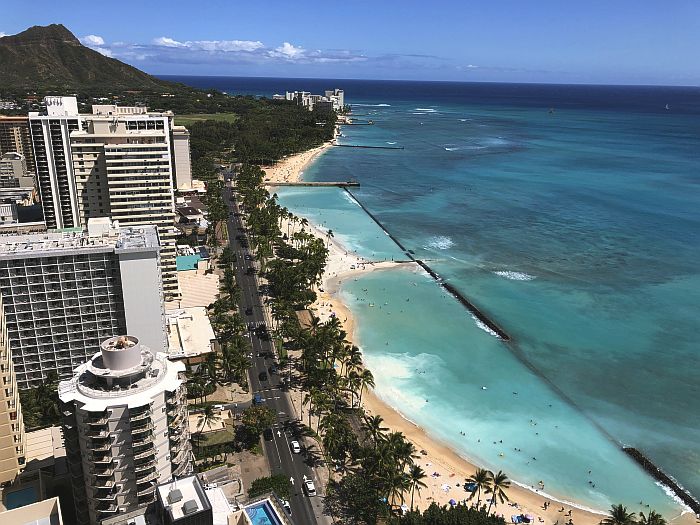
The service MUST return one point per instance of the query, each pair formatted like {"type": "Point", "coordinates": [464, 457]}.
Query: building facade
{"type": "Point", "coordinates": [50, 134]}
{"type": "Point", "coordinates": [12, 437]}
{"type": "Point", "coordinates": [181, 155]}
{"type": "Point", "coordinates": [15, 137]}
{"type": "Point", "coordinates": [64, 292]}
{"type": "Point", "coordinates": [125, 426]}
{"type": "Point", "coordinates": [124, 170]}
{"type": "Point", "coordinates": [14, 172]}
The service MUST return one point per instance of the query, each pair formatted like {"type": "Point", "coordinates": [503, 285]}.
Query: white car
{"type": "Point", "coordinates": [286, 506]}
{"type": "Point", "coordinates": [309, 486]}
{"type": "Point", "coordinates": [294, 445]}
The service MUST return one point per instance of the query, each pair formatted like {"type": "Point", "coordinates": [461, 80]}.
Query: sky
{"type": "Point", "coordinates": [547, 41]}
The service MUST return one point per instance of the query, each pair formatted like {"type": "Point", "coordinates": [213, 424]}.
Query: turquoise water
{"type": "Point", "coordinates": [577, 232]}
{"type": "Point", "coordinates": [262, 514]}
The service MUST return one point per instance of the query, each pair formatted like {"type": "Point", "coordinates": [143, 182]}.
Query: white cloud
{"type": "Point", "coordinates": [226, 46]}
{"type": "Point", "coordinates": [288, 51]}
{"type": "Point", "coordinates": [93, 40]}
{"type": "Point", "coordinates": [167, 42]}
{"type": "Point", "coordinates": [2, 34]}
{"type": "Point", "coordinates": [103, 50]}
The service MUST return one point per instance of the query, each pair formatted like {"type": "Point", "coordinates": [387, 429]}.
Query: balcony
{"type": "Point", "coordinates": [97, 434]}
{"type": "Point", "coordinates": [183, 469]}
{"type": "Point", "coordinates": [151, 476]}
{"type": "Point", "coordinates": [150, 489]}
{"type": "Point", "coordinates": [102, 447]}
{"type": "Point", "coordinates": [138, 416]}
{"type": "Point", "coordinates": [104, 484]}
{"type": "Point", "coordinates": [148, 451]}
{"type": "Point", "coordinates": [110, 495]}
{"type": "Point", "coordinates": [102, 471]}
{"type": "Point", "coordinates": [142, 427]}
{"type": "Point", "coordinates": [145, 465]}
{"type": "Point", "coordinates": [97, 421]}
{"type": "Point", "coordinates": [109, 508]}
{"type": "Point", "coordinates": [143, 439]}
{"type": "Point", "coordinates": [101, 460]}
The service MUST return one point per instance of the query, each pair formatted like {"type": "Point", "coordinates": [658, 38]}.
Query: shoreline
{"type": "Point", "coordinates": [441, 459]}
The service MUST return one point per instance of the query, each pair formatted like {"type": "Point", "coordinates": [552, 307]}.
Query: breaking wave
{"type": "Point", "coordinates": [440, 242]}
{"type": "Point", "coordinates": [515, 276]}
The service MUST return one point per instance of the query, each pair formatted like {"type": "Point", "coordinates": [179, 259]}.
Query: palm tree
{"type": "Point", "coordinates": [482, 479]}
{"type": "Point", "coordinates": [652, 518]}
{"type": "Point", "coordinates": [499, 482]}
{"type": "Point", "coordinates": [416, 476]}
{"type": "Point", "coordinates": [373, 426]}
{"type": "Point", "coordinates": [207, 418]}
{"type": "Point", "coordinates": [619, 516]}
{"type": "Point", "coordinates": [366, 380]}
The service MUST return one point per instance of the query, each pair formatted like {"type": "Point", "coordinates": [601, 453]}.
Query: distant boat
{"type": "Point", "coordinates": [551, 111]}
{"type": "Point", "coordinates": [667, 107]}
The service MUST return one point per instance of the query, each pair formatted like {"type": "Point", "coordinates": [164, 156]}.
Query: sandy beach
{"type": "Point", "coordinates": [291, 168]}
{"type": "Point", "coordinates": [446, 469]}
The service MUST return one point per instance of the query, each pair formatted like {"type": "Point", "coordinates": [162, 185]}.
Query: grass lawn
{"type": "Point", "coordinates": [218, 437]}
{"type": "Point", "coordinates": [186, 120]}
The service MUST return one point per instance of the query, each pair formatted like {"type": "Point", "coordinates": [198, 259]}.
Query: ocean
{"type": "Point", "coordinates": [569, 215]}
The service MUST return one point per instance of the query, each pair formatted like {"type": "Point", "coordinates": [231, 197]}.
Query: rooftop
{"type": "Point", "coordinates": [189, 332]}
{"type": "Point", "coordinates": [58, 242]}
{"type": "Point", "coordinates": [183, 497]}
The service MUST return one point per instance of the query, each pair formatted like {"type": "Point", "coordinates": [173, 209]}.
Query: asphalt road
{"type": "Point", "coordinates": [305, 509]}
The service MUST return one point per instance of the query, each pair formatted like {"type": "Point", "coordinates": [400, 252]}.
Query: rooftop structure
{"type": "Point", "coordinates": [46, 512]}
{"type": "Point", "coordinates": [190, 333]}
{"type": "Point", "coordinates": [184, 502]}
{"type": "Point", "coordinates": [64, 292]}
{"type": "Point", "coordinates": [125, 425]}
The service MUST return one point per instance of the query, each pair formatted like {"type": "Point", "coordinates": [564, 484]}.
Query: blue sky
{"type": "Point", "coordinates": [565, 41]}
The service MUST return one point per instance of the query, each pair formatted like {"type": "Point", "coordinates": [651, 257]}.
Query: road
{"type": "Point", "coordinates": [305, 510]}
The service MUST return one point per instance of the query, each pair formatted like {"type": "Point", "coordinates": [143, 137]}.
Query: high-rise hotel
{"type": "Point", "coordinates": [117, 162]}
{"type": "Point", "coordinates": [64, 292]}
{"type": "Point", "coordinates": [126, 431]}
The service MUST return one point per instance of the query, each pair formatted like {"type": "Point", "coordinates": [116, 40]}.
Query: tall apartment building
{"type": "Point", "coordinates": [181, 156]}
{"type": "Point", "coordinates": [64, 292]}
{"type": "Point", "coordinates": [123, 166]}
{"type": "Point", "coordinates": [15, 137]}
{"type": "Point", "coordinates": [125, 427]}
{"type": "Point", "coordinates": [54, 172]}
{"type": "Point", "coordinates": [12, 439]}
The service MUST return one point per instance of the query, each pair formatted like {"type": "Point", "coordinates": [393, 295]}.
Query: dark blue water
{"type": "Point", "coordinates": [575, 228]}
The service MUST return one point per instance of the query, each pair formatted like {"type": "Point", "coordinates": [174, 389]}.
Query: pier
{"type": "Point", "coordinates": [471, 307]}
{"type": "Point", "coordinates": [660, 476]}
{"type": "Point", "coordinates": [366, 147]}
{"type": "Point", "coordinates": [346, 184]}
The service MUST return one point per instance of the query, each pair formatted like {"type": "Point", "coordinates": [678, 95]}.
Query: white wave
{"type": "Point", "coordinates": [425, 110]}
{"type": "Point", "coordinates": [440, 242]}
{"type": "Point", "coordinates": [373, 105]}
{"type": "Point", "coordinates": [483, 326]}
{"type": "Point", "coordinates": [392, 143]}
{"type": "Point", "coordinates": [465, 120]}
{"type": "Point", "coordinates": [669, 492]}
{"type": "Point", "coordinates": [350, 199]}
{"type": "Point", "coordinates": [515, 276]}
{"type": "Point", "coordinates": [451, 149]}
{"type": "Point", "coordinates": [548, 496]}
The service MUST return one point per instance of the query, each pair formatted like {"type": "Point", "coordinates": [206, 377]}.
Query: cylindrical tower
{"type": "Point", "coordinates": [125, 421]}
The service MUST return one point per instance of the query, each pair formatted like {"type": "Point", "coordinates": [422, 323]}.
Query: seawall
{"type": "Point", "coordinates": [471, 307]}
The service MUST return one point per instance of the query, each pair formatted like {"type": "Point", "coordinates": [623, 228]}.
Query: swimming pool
{"type": "Point", "coordinates": [263, 514]}
{"type": "Point", "coordinates": [20, 498]}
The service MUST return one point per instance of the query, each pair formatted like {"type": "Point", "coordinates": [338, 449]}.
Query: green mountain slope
{"type": "Point", "coordinates": [51, 57]}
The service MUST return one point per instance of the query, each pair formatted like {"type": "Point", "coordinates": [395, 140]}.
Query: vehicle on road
{"type": "Point", "coordinates": [248, 257]}
{"type": "Point", "coordinates": [262, 376]}
{"type": "Point", "coordinates": [249, 311]}
{"type": "Point", "coordinates": [267, 434]}
{"type": "Point", "coordinates": [257, 399]}
{"type": "Point", "coordinates": [295, 447]}
{"type": "Point", "coordinates": [309, 486]}
{"type": "Point", "coordinates": [286, 506]}
{"type": "Point", "coordinates": [250, 270]}
{"type": "Point", "coordinates": [273, 369]}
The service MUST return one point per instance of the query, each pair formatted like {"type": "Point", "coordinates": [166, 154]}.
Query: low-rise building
{"type": "Point", "coordinates": [184, 502]}
{"type": "Point", "coordinates": [190, 333]}
{"type": "Point", "coordinates": [46, 512]}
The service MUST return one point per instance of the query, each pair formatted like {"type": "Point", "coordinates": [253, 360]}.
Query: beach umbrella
{"type": "Point", "coordinates": [453, 502]}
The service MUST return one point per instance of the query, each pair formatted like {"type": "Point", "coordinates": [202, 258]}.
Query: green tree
{"type": "Point", "coordinates": [257, 418]}
{"type": "Point", "coordinates": [416, 475]}
{"type": "Point", "coordinates": [279, 484]}
{"type": "Point", "coordinates": [652, 518]}
{"type": "Point", "coordinates": [619, 515]}
{"type": "Point", "coordinates": [482, 479]}
{"type": "Point", "coordinates": [498, 484]}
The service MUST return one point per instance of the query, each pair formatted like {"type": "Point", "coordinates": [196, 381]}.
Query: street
{"type": "Point", "coordinates": [305, 510]}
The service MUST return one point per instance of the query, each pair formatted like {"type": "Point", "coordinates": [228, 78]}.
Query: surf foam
{"type": "Point", "coordinates": [515, 276]}
{"type": "Point", "coordinates": [440, 242]}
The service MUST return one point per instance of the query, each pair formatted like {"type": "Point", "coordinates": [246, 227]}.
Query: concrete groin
{"type": "Point", "coordinates": [659, 475]}
{"type": "Point", "coordinates": [471, 307]}
{"type": "Point", "coordinates": [346, 184]}
{"type": "Point", "coordinates": [366, 147]}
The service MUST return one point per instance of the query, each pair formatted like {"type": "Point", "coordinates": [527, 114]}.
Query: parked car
{"type": "Point", "coordinates": [285, 505]}
{"type": "Point", "coordinates": [262, 376]}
